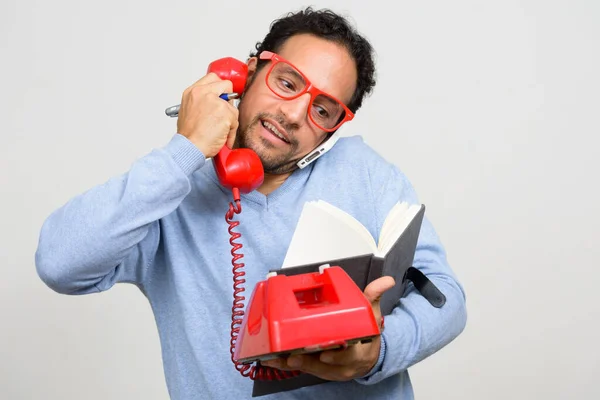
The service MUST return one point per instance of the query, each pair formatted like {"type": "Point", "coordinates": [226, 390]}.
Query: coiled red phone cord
{"type": "Point", "coordinates": [254, 372]}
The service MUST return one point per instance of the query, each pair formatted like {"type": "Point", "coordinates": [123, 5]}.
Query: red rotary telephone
{"type": "Point", "coordinates": [305, 313]}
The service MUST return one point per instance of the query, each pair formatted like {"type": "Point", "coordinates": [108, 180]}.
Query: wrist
{"type": "Point", "coordinates": [185, 153]}
{"type": "Point", "coordinates": [199, 143]}
{"type": "Point", "coordinates": [374, 353]}
{"type": "Point", "coordinates": [376, 367]}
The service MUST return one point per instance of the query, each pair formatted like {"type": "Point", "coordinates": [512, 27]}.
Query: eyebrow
{"type": "Point", "coordinates": [295, 73]}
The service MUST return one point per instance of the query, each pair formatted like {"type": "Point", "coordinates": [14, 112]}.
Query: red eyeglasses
{"type": "Point", "coordinates": [287, 82]}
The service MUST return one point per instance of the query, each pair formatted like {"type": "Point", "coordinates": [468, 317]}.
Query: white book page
{"type": "Point", "coordinates": [391, 220]}
{"type": "Point", "coordinates": [325, 232]}
{"type": "Point", "coordinates": [395, 224]}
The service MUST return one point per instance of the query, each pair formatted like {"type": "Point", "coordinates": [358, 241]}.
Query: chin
{"type": "Point", "coordinates": [272, 159]}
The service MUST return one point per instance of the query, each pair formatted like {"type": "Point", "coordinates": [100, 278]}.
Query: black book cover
{"type": "Point", "coordinates": [363, 270]}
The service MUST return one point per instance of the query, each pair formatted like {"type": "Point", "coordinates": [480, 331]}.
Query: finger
{"type": "Point", "coordinates": [219, 87]}
{"type": "Point", "coordinates": [233, 129]}
{"type": "Point", "coordinates": [213, 83]}
{"type": "Point", "coordinates": [208, 78]}
{"type": "Point", "coordinates": [216, 88]}
{"type": "Point", "coordinates": [377, 288]}
{"type": "Point", "coordinates": [278, 363]}
{"type": "Point", "coordinates": [340, 357]}
{"type": "Point", "coordinates": [312, 365]}
{"type": "Point", "coordinates": [231, 135]}
{"type": "Point", "coordinates": [373, 293]}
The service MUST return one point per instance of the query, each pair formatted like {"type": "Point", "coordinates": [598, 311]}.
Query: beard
{"type": "Point", "coordinates": [274, 160]}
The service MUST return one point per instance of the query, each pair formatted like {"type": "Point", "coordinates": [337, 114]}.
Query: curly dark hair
{"type": "Point", "coordinates": [328, 25]}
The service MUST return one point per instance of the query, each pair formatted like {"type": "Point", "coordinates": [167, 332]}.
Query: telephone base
{"type": "Point", "coordinates": [303, 314]}
{"type": "Point", "coordinates": [305, 350]}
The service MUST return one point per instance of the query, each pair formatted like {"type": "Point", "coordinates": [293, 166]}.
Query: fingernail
{"type": "Point", "coordinates": [326, 358]}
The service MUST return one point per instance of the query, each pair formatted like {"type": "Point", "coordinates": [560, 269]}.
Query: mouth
{"type": "Point", "coordinates": [274, 129]}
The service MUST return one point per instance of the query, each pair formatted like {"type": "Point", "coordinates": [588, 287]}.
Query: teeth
{"type": "Point", "coordinates": [272, 128]}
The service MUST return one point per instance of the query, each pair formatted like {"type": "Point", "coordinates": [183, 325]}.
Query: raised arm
{"type": "Point", "coordinates": [110, 233]}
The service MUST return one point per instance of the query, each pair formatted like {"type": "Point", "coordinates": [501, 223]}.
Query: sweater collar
{"type": "Point", "coordinates": [297, 179]}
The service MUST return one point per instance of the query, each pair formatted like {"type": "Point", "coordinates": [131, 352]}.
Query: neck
{"type": "Point", "coordinates": [272, 182]}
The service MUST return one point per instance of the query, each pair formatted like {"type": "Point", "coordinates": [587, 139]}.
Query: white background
{"type": "Point", "coordinates": [490, 107]}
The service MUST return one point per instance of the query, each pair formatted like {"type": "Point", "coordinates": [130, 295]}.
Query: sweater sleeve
{"type": "Point", "coordinates": [415, 329]}
{"type": "Point", "coordinates": [111, 232]}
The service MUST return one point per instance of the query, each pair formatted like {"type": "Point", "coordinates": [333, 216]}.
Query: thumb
{"type": "Point", "coordinates": [378, 287]}
{"type": "Point", "coordinates": [232, 134]}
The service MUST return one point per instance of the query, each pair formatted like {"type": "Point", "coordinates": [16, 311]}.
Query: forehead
{"type": "Point", "coordinates": [326, 64]}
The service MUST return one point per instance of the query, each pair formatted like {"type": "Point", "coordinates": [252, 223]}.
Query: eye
{"type": "Point", "coordinates": [321, 112]}
{"type": "Point", "coordinates": [286, 84]}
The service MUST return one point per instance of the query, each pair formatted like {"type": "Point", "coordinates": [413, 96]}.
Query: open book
{"type": "Point", "coordinates": [327, 235]}
{"type": "Point", "coordinates": [324, 232]}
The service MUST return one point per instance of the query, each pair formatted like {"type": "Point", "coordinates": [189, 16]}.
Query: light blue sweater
{"type": "Point", "coordinates": [161, 226]}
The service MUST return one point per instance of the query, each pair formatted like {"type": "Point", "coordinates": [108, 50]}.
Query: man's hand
{"type": "Point", "coordinates": [346, 364]}
{"type": "Point", "coordinates": [205, 119]}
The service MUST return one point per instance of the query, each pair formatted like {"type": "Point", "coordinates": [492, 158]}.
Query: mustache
{"type": "Point", "coordinates": [289, 127]}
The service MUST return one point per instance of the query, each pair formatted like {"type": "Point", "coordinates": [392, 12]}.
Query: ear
{"type": "Point", "coordinates": [252, 64]}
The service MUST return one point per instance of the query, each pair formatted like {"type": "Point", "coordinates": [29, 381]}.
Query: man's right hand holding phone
{"type": "Point", "coordinates": [205, 119]}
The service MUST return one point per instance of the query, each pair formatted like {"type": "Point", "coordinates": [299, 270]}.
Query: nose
{"type": "Point", "coordinates": [296, 110]}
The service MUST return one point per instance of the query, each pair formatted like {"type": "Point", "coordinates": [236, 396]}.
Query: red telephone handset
{"type": "Point", "coordinates": [240, 168]}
